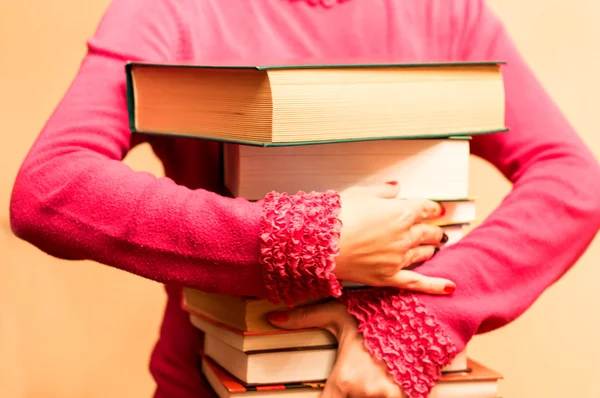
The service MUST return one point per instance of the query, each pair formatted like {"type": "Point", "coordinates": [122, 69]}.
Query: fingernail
{"type": "Point", "coordinates": [449, 288]}
{"type": "Point", "coordinates": [444, 238]}
{"type": "Point", "coordinates": [443, 210]}
{"type": "Point", "coordinates": [392, 182]}
{"type": "Point", "coordinates": [437, 249]}
{"type": "Point", "coordinates": [278, 316]}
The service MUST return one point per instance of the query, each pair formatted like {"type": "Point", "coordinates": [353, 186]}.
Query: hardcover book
{"type": "Point", "coordinates": [300, 104]}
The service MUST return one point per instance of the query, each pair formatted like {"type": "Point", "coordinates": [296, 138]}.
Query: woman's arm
{"type": "Point", "coordinates": [75, 199]}
{"type": "Point", "coordinates": [500, 268]}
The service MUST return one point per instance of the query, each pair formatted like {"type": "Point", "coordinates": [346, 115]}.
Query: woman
{"type": "Point", "coordinates": [75, 199]}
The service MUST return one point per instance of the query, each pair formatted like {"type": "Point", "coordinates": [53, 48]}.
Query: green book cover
{"type": "Point", "coordinates": [336, 65]}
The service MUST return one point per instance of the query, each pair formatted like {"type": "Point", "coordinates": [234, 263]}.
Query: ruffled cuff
{"type": "Point", "coordinates": [397, 329]}
{"type": "Point", "coordinates": [298, 245]}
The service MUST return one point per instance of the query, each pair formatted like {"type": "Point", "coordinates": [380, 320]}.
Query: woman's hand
{"type": "Point", "coordinates": [381, 235]}
{"type": "Point", "coordinates": [355, 373]}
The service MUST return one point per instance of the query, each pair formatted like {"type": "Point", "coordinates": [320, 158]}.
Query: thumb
{"type": "Point", "coordinates": [322, 316]}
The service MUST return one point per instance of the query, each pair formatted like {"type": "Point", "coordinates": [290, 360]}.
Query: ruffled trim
{"type": "Point", "coordinates": [398, 330]}
{"type": "Point", "coordinates": [298, 245]}
{"type": "Point", "coordinates": [324, 3]}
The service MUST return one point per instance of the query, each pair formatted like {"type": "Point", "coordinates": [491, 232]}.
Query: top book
{"type": "Point", "coordinates": [307, 104]}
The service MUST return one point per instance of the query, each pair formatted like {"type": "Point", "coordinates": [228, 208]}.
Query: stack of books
{"type": "Point", "coordinates": [477, 381]}
{"type": "Point", "coordinates": [315, 128]}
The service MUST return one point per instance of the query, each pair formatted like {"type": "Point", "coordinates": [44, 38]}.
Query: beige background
{"type": "Point", "coordinates": [79, 329]}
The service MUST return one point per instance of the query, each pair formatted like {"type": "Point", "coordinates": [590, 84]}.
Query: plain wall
{"type": "Point", "coordinates": [81, 329]}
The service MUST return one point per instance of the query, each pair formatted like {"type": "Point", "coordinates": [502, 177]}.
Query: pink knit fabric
{"type": "Point", "coordinates": [75, 199]}
{"type": "Point", "coordinates": [398, 329]}
{"type": "Point", "coordinates": [299, 237]}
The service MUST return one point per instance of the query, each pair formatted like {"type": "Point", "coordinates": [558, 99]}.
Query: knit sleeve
{"type": "Point", "coordinates": [75, 199]}
{"type": "Point", "coordinates": [299, 243]}
{"type": "Point", "coordinates": [501, 267]}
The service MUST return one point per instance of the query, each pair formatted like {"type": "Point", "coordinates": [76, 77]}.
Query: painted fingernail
{"type": "Point", "coordinates": [392, 182]}
{"type": "Point", "coordinates": [449, 288]}
{"type": "Point", "coordinates": [278, 316]}
{"type": "Point", "coordinates": [444, 238]}
{"type": "Point", "coordinates": [443, 210]}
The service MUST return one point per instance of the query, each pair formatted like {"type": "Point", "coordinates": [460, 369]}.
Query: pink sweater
{"type": "Point", "coordinates": [75, 199]}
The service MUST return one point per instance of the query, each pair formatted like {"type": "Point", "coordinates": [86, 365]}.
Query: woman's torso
{"type": "Point", "coordinates": [290, 31]}
{"type": "Point", "coordinates": [271, 32]}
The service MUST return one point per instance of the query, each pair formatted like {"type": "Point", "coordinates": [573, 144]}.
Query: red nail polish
{"type": "Point", "coordinates": [443, 210]}
{"type": "Point", "coordinates": [392, 182]}
{"type": "Point", "coordinates": [278, 316]}
{"type": "Point", "coordinates": [449, 288]}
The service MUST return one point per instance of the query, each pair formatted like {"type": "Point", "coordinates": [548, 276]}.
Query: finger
{"type": "Point", "coordinates": [411, 280]}
{"type": "Point", "coordinates": [419, 254]}
{"type": "Point", "coordinates": [326, 316]}
{"type": "Point", "coordinates": [425, 234]}
{"type": "Point", "coordinates": [424, 209]}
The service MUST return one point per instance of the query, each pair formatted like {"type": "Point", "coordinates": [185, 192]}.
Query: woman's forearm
{"type": "Point", "coordinates": [74, 198]}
